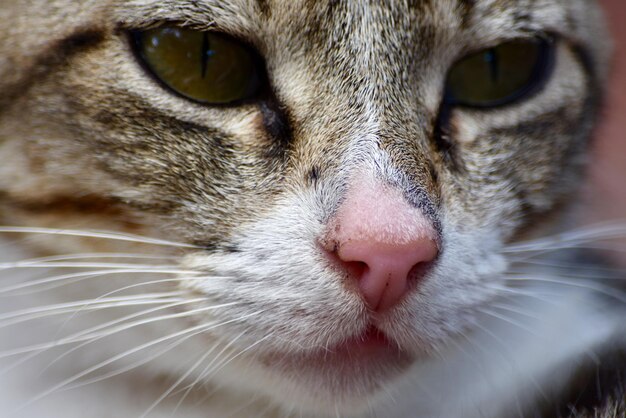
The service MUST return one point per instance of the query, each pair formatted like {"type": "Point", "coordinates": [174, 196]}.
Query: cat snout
{"type": "Point", "coordinates": [382, 242]}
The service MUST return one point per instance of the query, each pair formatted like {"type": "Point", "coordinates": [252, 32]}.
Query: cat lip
{"type": "Point", "coordinates": [369, 348]}
{"type": "Point", "coordinates": [371, 339]}
{"type": "Point", "coordinates": [372, 347]}
{"type": "Point", "coordinates": [355, 366]}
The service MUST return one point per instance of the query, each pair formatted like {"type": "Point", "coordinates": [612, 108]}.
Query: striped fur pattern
{"type": "Point", "coordinates": [205, 294]}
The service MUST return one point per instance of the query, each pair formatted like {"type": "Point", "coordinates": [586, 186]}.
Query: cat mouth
{"type": "Point", "coordinates": [370, 342]}
{"type": "Point", "coordinates": [366, 360]}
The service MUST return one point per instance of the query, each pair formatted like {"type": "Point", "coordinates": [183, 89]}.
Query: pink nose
{"type": "Point", "coordinates": [387, 267]}
{"type": "Point", "coordinates": [382, 241]}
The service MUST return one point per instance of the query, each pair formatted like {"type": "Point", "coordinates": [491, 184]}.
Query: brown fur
{"type": "Point", "coordinates": [87, 137]}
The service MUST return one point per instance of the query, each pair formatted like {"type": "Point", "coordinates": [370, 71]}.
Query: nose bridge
{"type": "Point", "coordinates": [369, 107]}
{"type": "Point", "coordinates": [387, 137]}
{"type": "Point", "coordinates": [371, 114]}
{"type": "Point", "coordinates": [392, 143]}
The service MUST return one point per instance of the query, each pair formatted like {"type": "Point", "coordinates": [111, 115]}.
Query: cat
{"type": "Point", "coordinates": [338, 208]}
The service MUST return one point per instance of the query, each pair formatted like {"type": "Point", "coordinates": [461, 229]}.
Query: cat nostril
{"type": "Point", "coordinates": [381, 241]}
{"type": "Point", "coordinates": [354, 269]}
{"type": "Point", "coordinates": [383, 270]}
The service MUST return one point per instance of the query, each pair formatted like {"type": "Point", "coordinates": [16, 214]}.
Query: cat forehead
{"type": "Point", "coordinates": [338, 18]}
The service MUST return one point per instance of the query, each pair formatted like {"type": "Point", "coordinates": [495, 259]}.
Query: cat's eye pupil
{"type": "Point", "coordinates": [205, 53]}
{"type": "Point", "coordinates": [202, 66]}
{"type": "Point", "coordinates": [491, 56]}
{"type": "Point", "coordinates": [500, 75]}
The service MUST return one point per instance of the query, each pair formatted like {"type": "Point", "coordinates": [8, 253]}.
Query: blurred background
{"type": "Point", "coordinates": [606, 191]}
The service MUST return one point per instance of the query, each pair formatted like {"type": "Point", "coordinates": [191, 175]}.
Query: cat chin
{"type": "Point", "coordinates": [347, 379]}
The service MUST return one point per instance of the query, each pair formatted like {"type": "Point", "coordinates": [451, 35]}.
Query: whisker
{"type": "Point", "coordinates": [133, 286]}
{"type": "Point", "coordinates": [515, 311]}
{"type": "Point", "coordinates": [542, 296]}
{"type": "Point", "coordinates": [462, 349]}
{"type": "Point", "coordinates": [183, 377]}
{"type": "Point", "coordinates": [613, 246]}
{"type": "Point", "coordinates": [115, 236]}
{"type": "Point", "coordinates": [148, 283]}
{"type": "Point", "coordinates": [97, 328]}
{"type": "Point", "coordinates": [99, 307]}
{"type": "Point", "coordinates": [98, 366]}
{"type": "Point", "coordinates": [596, 287]}
{"type": "Point", "coordinates": [132, 366]}
{"type": "Point", "coordinates": [507, 320]}
{"type": "Point", "coordinates": [117, 357]}
{"type": "Point", "coordinates": [511, 359]}
{"type": "Point", "coordinates": [190, 387]}
{"type": "Point", "coordinates": [81, 276]}
{"type": "Point", "coordinates": [576, 274]}
{"type": "Point", "coordinates": [210, 369]}
{"type": "Point", "coordinates": [69, 307]}
{"type": "Point", "coordinates": [543, 251]}
{"type": "Point", "coordinates": [577, 236]}
{"type": "Point", "coordinates": [59, 265]}
{"type": "Point", "coordinates": [90, 334]}
{"type": "Point", "coordinates": [224, 362]}
{"type": "Point", "coordinates": [83, 256]}
{"type": "Point", "coordinates": [124, 319]}
{"type": "Point", "coordinates": [567, 266]}
{"type": "Point", "coordinates": [241, 408]}
{"type": "Point", "coordinates": [263, 412]}
{"type": "Point", "coordinates": [152, 282]}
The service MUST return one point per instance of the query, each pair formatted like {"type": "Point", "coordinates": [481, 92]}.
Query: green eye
{"type": "Point", "coordinates": [500, 75]}
{"type": "Point", "coordinates": [202, 66]}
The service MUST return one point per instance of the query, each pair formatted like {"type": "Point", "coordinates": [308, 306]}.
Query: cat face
{"type": "Point", "coordinates": [274, 191]}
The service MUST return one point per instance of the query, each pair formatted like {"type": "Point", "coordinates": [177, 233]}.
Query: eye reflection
{"type": "Point", "coordinates": [202, 66]}
{"type": "Point", "coordinates": [500, 75]}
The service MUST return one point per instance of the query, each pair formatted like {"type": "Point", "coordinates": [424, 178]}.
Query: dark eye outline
{"type": "Point", "coordinates": [542, 73]}
{"type": "Point", "coordinates": [261, 92]}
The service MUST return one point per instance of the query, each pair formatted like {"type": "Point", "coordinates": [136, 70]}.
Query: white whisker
{"type": "Point", "coordinates": [88, 256]}
{"type": "Point", "coordinates": [98, 366]}
{"type": "Point", "coordinates": [70, 306]}
{"type": "Point", "coordinates": [91, 334]}
{"type": "Point", "coordinates": [148, 283]}
{"type": "Point", "coordinates": [117, 357]}
{"type": "Point", "coordinates": [97, 328]}
{"type": "Point", "coordinates": [596, 287]}
{"type": "Point", "coordinates": [77, 277]}
{"type": "Point", "coordinates": [99, 307]}
{"type": "Point", "coordinates": [223, 363]}
{"type": "Point", "coordinates": [565, 266]}
{"type": "Point", "coordinates": [511, 359]}
{"type": "Point", "coordinates": [515, 311]}
{"type": "Point", "coordinates": [135, 365]}
{"type": "Point", "coordinates": [240, 408]}
{"type": "Point", "coordinates": [211, 369]}
{"type": "Point", "coordinates": [574, 275]}
{"type": "Point", "coordinates": [124, 288]}
{"type": "Point", "coordinates": [59, 265]}
{"type": "Point", "coordinates": [183, 377]}
{"type": "Point", "coordinates": [571, 238]}
{"type": "Point", "coordinates": [507, 320]}
{"type": "Point", "coordinates": [543, 296]}
{"type": "Point", "coordinates": [115, 236]}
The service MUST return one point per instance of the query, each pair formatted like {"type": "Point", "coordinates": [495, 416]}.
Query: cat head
{"type": "Point", "coordinates": [348, 206]}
